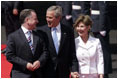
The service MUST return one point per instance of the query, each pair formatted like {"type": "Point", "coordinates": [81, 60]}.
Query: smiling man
{"type": "Point", "coordinates": [25, 48]}
{"type": "Point", "coordinates": [60, 42]}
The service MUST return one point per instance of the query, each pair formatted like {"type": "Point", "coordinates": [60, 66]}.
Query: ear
{"type": "Point", "coordinates": [89, 27]}
{"type": "Point", "coordinates": [26, 19]}
{"type": "Point", "coordinates": [59, 17]}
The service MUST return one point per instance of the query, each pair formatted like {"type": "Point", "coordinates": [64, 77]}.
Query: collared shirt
{"type": "Point", "coordinates": [58, 33]}
{"type": "Point", "coordinates": [25, 32]}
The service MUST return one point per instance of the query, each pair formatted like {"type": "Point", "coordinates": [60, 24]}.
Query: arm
{"type": "Point", "coordinates": [16, 6]}
{"type": "Point", "coordinates": [73, 53]}
{"type": "Point", "coordinates": [103, 17]}
{"type": "Point", "coordinates": [44, 52]}
{"type": "Point", "coordinates": [11, 53]}
{"type": "Point", "coordinates": [100, 60]}
{"type": "Point", "coordinates": [44, 56]}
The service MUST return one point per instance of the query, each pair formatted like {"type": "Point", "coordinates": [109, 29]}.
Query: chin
{"type": "Point", "coordinates": [49, 26]}
{"type": "Point", "coordinates": [80, 35]}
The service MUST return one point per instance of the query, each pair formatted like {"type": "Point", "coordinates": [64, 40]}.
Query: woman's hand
{"type": "Point", "coordinates": [74, 74]}
{"type": "Point", "coordinates": [101, 76]}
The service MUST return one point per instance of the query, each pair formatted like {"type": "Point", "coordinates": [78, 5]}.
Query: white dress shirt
{"type": "Point", "coordinates": [25, 32]}
{"type": "Point", "coordinates": [58, 32]}
{"type": "Point", "coordinates": [90, 56]}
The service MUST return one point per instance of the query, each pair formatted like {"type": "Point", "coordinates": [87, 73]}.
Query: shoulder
{"type": "Point", "coordinates": [14, 34]}
{"type": "Point", "coordinates": [67, 28]}
{"type": "Point", "coordinates": [94, 40]}
{"type": "Point", "coordinates": [77, 38]}
{"type": "Point", "coordinates": [42, 28]}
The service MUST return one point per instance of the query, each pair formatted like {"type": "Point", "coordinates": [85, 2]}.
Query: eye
{"type": "Point", "coordinates": [81, 26]}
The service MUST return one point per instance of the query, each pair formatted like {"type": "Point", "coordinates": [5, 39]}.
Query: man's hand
{"type": "Point", "coordinates": [36, 65]}
{"type": "Point", "coordinates": [103, 33]}
{"type": "Point", "coordinates": [74, 74]}
{"type": "Point", "coordinates": [15, 11]}
{"type": "Point", "coordinates": [68, 17]}
{"type": "Point", "coordinates": [30, 66]}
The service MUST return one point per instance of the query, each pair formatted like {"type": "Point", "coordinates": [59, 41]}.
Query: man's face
{"type": "Point", "coordinates": [52, 21]}
{"type": "Point", "coordinates": [32, 21]}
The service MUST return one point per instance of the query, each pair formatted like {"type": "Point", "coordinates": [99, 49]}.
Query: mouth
{"type": "Point", "coordinates": [49, 23]}
{"type": "Point", "coordinates": [80, 32]}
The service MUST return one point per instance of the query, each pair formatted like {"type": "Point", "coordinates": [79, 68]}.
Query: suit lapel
{"type": "Point", "coordinates": [63, 36]}
{"type": "Point", "coordinates": [35, 40]}
{"type": "Point", "coordinates": [24, 39]}
{"type": "Point", "coordinates": [88, 45]}
{"type": "Point", "coordinates": [48, 30]}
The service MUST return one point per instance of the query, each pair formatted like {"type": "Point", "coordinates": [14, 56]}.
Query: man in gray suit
{"type": "Point", "coordinates": [26, 49]}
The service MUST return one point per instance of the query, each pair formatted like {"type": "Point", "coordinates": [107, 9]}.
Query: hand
{"type": "Point", "coordinates": [74, 74]}
{"type": "Point", "coordinates": [103, 33]}
{"type": "Point", "coordinates": [15, 11]}
{"type": "Point", "coordinates": [36, 65]}
{"type": "Point", "coordinates": [29, 66]}
{"type": "Point", "coordinates": [68, 17]}
{"type": "Point", "coordinates": [101, 76]}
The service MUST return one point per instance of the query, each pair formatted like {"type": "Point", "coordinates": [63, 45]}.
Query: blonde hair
{"type": "Point", "coordinates": [83, 18]}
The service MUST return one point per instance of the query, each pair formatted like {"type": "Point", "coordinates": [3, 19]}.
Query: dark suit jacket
{"type": "Point", "coordinates": [11, 21]}
{"type": "Point", "coordinates": [101, 22]}
{"type": "Point", "coordinates": [18, 52]}
{"type": "Point", "coordinates": [59, 65]}
{"type": "Point", "coordinates": [67, 10]}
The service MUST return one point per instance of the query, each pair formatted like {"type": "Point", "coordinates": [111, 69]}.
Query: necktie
{"type": "Point", "coordinates": [55, 39]}
{"type": "Point", "coordinates": [30, 41]}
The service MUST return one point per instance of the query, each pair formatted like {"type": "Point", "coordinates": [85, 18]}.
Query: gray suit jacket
{"type": "Point", "coordinates": [18, 52]}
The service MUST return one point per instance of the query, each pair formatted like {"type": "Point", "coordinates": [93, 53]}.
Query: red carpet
{"type": "Point", "coordinates": [5, 65]}
{"type": "Point", "coordinates": [3, 46]}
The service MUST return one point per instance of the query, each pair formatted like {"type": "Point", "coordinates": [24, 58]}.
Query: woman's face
{"type": "Point", "coordinates": [82, 29]}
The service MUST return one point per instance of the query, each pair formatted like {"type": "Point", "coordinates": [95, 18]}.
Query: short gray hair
{"type": "Point", "coordinates": [25, 13]}
{"type": "Point", "coordinates": [57, 9]}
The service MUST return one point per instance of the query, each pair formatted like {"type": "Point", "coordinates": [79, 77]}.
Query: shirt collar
{"type": "Point", "coordinates": [58, 27]}
{"type": "Point", "coordinates": [25, 29]}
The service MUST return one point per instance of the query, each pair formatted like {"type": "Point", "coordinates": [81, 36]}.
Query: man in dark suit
{"type": "Point", "coordinates": [60, 40]}
{"type": "Point", "coordinates": [10, 14]}
{"type": "Point", "coordinates": [67, 12]}
{"type": "Point", "coordinates": [26, 49]}
{"type": "Point", "coordinates": [80, 7]}
{"type": "Point", "coordinates": [100, 29]}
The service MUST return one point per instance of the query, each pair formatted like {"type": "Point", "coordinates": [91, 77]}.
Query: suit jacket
{"type": "Point", "coordinates": [67, 10]}
{"type": "Point", "coordinates": [7, 11]}
{"type": "Point", "coordinates": [101, 21]}
{"type": "Point", "coordinates": [90, 56]}
{"type": "Point", "coordinates": [59, 65]}
{"type": "Point", "coordinates": [10, 20]}
{"type": "Point", "coordinates": [18, 52]}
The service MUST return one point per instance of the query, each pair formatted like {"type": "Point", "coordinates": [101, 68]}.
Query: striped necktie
{"type": "Point", "coordinates": [30, 41]}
